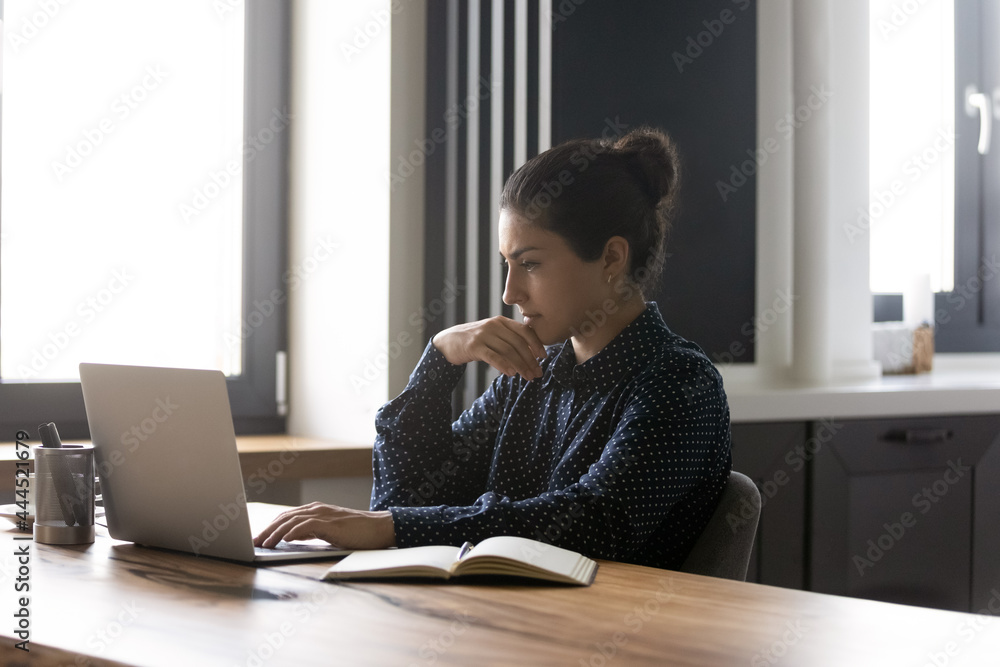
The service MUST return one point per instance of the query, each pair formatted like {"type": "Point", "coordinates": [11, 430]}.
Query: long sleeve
{"type": "Point", "coordinates": [420, 456]}
{"type": "Point", "coordinates": [670, 448]}
{"type": "Point", "coordinates": [623, 456]}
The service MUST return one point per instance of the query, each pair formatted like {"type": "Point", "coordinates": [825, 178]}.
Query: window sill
{"type": "Point", "coordinates": [959, 384]}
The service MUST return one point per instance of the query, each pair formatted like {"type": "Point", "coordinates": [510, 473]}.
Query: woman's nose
{"type": "Point", "coordinates": [512, 293]}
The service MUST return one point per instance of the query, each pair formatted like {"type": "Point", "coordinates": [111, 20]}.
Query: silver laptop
{"type": "Point", "coordinates": [166, 456]}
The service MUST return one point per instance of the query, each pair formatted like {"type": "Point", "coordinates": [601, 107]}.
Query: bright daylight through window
{"type": "Point", "coordinates": [911, 215]}
{"type": "Point", "coordinates": [121, 215]}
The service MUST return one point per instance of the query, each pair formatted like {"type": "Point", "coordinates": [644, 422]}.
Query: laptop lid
{"type": "Point", "coordinates": [166, 456]}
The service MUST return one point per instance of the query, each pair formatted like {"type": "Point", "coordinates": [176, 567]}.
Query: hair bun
{"type": "Point", "coordinates": [655, 159]}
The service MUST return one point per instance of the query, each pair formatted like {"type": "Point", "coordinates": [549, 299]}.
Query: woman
{"type": "Point", "coordinates": [606, 433]}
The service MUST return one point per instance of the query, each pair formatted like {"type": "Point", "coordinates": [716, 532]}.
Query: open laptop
{"type": "Point", "coordinates": [166, 456]}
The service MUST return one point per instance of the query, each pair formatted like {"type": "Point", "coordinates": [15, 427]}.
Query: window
{"type": "Point", "coordinates": [934, 213]}
{"type": "Point", "coordinates": [142, 210]}
{"type": "Point", "coordinates": [968, 317]}
{"type": "Point", "coordinates": [911, 142]}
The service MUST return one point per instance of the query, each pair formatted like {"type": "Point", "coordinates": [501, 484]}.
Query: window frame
{"type": "Point", "coordinates": [253, 394]}
{"type": "Point", "coordinates": [968, 318]}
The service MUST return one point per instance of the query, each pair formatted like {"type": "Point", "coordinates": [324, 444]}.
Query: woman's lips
{"type": "Point", "coordinates": [528, 319]}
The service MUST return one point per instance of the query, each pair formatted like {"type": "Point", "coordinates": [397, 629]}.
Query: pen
{"type": "Point", "coordinates": [62, 479]}
{"type": "Point", "coordinates": [464, 550]}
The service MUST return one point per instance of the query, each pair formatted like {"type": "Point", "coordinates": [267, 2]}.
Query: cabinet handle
{"type": "Point", "coordinates": [920, 436]}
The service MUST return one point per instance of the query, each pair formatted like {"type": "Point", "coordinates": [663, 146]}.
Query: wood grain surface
{"type": "Point", "coordinates": [117, 603]}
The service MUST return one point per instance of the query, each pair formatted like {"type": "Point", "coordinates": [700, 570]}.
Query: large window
{"type": "Point", "coordinates": [912, 146]}
{"type": "Point", "coordinates": [969, 315]}
{"type": "Point", "coordinates": [934, 215]}
{"type": "Point", "coordinates": [142, 209]}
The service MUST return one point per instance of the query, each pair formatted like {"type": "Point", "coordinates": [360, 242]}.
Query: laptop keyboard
{"type": "Point", "coordinates": [285, 547]}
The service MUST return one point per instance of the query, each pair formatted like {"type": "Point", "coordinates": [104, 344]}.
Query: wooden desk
{"type": "Point", "coordinates": [125, 604]}
{"type": "Point", "coordinates": [287, 457]}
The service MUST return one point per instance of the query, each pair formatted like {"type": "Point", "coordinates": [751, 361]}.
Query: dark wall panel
{"type": "Point", "coordinates": [688, 68]}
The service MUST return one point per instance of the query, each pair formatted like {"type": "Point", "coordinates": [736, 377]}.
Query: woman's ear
{"type": "Point", "coordinates": [616, 252]}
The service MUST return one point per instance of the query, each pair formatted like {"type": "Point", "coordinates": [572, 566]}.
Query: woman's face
{"type": "Point", "coordinates": [553, 288]}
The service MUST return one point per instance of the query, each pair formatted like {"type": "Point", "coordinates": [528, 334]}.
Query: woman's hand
{"type": "Point", "coordinates": [508, 346]}
{"type": "Point", "coordinates": [340, 526]}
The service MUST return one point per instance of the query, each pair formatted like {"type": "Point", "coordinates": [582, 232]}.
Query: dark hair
{"type": "Point", "coordinates": [588, 190]}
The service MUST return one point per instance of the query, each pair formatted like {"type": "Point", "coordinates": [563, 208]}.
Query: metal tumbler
{"type": "Point", "coordinates": [64, 496]}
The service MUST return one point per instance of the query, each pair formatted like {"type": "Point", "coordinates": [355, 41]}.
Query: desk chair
{"type": "Point", "coordinates": [723, 550]}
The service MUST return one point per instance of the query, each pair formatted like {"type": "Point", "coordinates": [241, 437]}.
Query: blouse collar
{"type": "Point", "coordinates": [632, 347]}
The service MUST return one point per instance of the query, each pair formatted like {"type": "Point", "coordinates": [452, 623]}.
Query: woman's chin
{"type": "Point", "coordinates": [549, 338]}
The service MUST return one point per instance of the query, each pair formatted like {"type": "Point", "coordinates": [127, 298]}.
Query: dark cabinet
{"type": "Point", "coordinates": [908, 511]}
{"type": "Point", "coordinates": [776, 456]}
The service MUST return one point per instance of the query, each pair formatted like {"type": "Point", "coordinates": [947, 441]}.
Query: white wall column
{"type": "Point", "coordinates": [832, 317]}
{"type": "Point", "coordinates": [850, 292]}
{"type": "Point", "coordinates": [811, 190]}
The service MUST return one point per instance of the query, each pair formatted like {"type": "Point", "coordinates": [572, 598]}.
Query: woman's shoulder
{"type": "Point", "coordinates": [679, 373]}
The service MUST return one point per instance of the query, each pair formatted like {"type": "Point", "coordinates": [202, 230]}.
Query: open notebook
{"type": "Point", "coordinates": [504, 555]}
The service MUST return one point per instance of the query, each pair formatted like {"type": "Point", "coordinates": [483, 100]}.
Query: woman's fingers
{"type": "Point", "coordinates": [281, 526]}
{"type": "Point", "coordinates": [508, 346]}
{"type": "Point", "coordinates": [512, 350]}
{"type": "Point", "coordinates": [340, 526]}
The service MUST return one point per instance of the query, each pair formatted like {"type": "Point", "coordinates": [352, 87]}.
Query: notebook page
{"type": "Point", "coordinates": [437, 557]}
{"type": "Point", "coordinates": [538, 554]}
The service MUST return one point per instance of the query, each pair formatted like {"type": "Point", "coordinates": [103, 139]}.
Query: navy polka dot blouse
{"type": "Point", "coordinates": [622, 457]}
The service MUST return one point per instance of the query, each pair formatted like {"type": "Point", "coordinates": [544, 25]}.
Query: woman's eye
{"type": "Point", "coordinates": [527, 266]}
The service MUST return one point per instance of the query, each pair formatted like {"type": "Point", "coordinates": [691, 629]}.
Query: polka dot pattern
{"type": "Point", "coordinates": [622, 457]}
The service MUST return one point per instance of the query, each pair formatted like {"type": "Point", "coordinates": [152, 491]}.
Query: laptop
{"type": "Point", "coordinates": [166, 456]}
